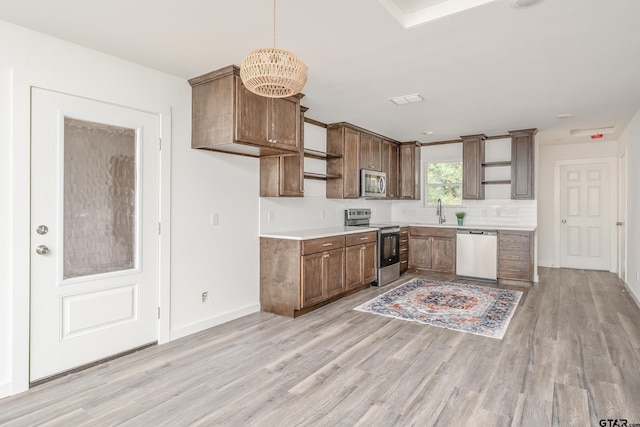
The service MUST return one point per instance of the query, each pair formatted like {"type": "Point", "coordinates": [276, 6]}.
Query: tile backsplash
{"type": "Point", "coordinates": [286, 214]}
{"type": "Point", "coordinates": [478, 212]}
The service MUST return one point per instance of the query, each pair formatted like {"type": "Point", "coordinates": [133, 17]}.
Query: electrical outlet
{"type": "Point", "coordinates": [271, 216]}
{"type": "Point", "coordinates": [637, 277]}
{"type": "Point", "coordinates": [214, 218]}
{"type": "Point", "coordinates": [205, 296]}
{"type": "Point", "coordinates": [323, 214]}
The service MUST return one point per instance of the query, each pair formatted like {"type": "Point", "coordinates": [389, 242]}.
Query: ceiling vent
{"type": "Point", "coordinates": [406, 99]}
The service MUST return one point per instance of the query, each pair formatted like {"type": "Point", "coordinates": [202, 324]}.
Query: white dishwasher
{"type": "Point", "coordinates": [476, 254]}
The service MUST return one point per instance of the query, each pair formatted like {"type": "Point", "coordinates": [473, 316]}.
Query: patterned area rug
{"type": "Point", "coordinates": [476, 309]}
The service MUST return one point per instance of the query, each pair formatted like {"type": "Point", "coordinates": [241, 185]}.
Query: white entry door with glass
{"type": "Point", "coordinates": [94, 231]}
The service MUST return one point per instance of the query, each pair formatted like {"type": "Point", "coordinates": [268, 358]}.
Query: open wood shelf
{"type": "Point", "coordinates": [494, 164]}
{"type": "Point", "coordinates": [320, 176]}
{"type": "Point", "coordinates": [320, 155]}
{"type": "Point", "coordinates": [505, 181]}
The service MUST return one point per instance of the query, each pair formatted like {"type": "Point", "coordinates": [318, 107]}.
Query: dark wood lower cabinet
{"type": "Point", "coordinates": [297, 276]}
{"type": "Point", "coordinates": [515, 255]}
{"type": "Point", "coordinates": [404, 249]}
{"type": "Point", "coordinates": [433, 249]}
{"type": "Point", "coordinates": [361, 265]}
{"type": "Point", "coordinates": [322, 276]}
{"type": "Point", "coordinates": [312, 280]}
{"type": "Point", "coordinates": [333, 272]}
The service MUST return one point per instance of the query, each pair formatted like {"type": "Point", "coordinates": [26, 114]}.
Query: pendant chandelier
{"type": "Point", "coordinates": [272, 72]}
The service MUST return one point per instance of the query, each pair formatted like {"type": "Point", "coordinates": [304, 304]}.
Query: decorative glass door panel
{"type": "Point", "coordinates": [100, 192]}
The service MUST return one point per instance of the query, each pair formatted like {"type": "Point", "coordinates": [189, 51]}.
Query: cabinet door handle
{"type": "Point", "coordinates": [327, 244]}
{"type": "Point", "coordinates": [325, 256]}
{"type": "Point", "coordinates": [364, 238]}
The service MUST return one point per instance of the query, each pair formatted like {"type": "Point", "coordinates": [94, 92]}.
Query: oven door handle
{"type": "Point", "coordinates": [390, 230]}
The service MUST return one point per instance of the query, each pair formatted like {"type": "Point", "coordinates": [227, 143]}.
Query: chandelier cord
{"type": "Point", "coordinates": [274, 23]}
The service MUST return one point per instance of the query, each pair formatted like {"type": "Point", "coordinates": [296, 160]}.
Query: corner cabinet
{"type": "Point", "coordinates": [472, 167]}
{"type": "Point", "coordinates": [522, 163]}
{"type": "Point", "coordinates": [227, 117]}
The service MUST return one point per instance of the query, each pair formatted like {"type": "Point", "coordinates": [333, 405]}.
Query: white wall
{"type": "Point", "coordinates": [549, 155]}
{"type": "Point", "coordinates": [314, 210]}
{"type": "Point", "coordinates": [6, 169]}
{"type": "Point", "coordinates": [630, 140]}
{"type": "Point", "coordinates": [221, 259]}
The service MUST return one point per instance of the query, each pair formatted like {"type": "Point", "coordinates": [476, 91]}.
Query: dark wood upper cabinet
{"type": "Point", "coordinates": [472, 169]}
{"type": "Point", "coordinates": [522, 163]}
{"type": "Point", "coordinates": [345, 142]}
{"type": "Point", "coordinates": [227, 117]}
{"type": "Point", "coordinates": [409, 171]}
{"type": "Point", "coordinates": [390, 156]}
{"type": "Point", "coordinates": [283, 176]}
{"type": "Point", "coordinates": [370, 152]}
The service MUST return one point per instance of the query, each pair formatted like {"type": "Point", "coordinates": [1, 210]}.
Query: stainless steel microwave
{"type": "Point", "coordinates": [373, 183]}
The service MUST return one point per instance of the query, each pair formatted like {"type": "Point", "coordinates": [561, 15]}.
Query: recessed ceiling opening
{"type": "Point", "coordinates": [411, 13]}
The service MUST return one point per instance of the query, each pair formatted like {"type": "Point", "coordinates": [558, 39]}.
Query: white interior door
{"type": "Point", "coordinates": [585, 206]}
{"type": "Point", "coordinates": [622, 217]}
{"type": "Point", "coordinates": [94, 239]}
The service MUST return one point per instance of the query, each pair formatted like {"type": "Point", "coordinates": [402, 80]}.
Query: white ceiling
{"type": "Point", "coordinates": [489, 69]}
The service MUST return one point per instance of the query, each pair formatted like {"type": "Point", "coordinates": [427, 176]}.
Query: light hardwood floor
{"type": "Point", "coordinates": [571, 356]}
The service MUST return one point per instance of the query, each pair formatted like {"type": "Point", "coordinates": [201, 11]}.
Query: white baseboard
{"type": "Point", "coordinates": [633, 295]}
{"type": "Point", "coordinates": [192, 328]}
{"type": "Point", "coordinates": [5, 389]}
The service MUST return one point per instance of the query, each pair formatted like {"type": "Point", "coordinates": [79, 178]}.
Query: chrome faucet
{"type": "Point", "coordinates": [441, 219]}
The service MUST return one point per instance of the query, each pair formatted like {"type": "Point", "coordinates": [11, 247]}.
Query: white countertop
{"type": "Point", "coordinates": [317, 233]}
{"type": "Point", "coordinates": [476, 227]}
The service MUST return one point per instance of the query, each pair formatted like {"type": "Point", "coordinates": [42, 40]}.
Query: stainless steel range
{"type": "Point", "coordinates": [388, 243]}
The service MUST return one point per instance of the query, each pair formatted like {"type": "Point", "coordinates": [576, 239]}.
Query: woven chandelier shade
{"type": "Point", "coordinates": [273, 72]}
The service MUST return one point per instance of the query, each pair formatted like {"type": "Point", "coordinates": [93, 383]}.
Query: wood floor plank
{"type": "Point", "coordinates": [532, 411]}
{"type": "Point", "coordinates": [571, 354]}
{"type": "Point", "coordinates": [570, 406]}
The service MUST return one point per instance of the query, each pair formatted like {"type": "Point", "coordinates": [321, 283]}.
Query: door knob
{"type": "Point", "coordinates": [42, 229]}
{"type": "Point", "coordinates": [564, 221]}
{"type": "Point", "coordinates": [42, 250]}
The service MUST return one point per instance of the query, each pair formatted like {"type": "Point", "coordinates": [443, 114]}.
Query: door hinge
{"type": "Point", "coordinates": [159, 144]}
{"type": "Point", "coordinates": [159, 228]}
{"type": "Point", "coordinates": [158, 312]}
